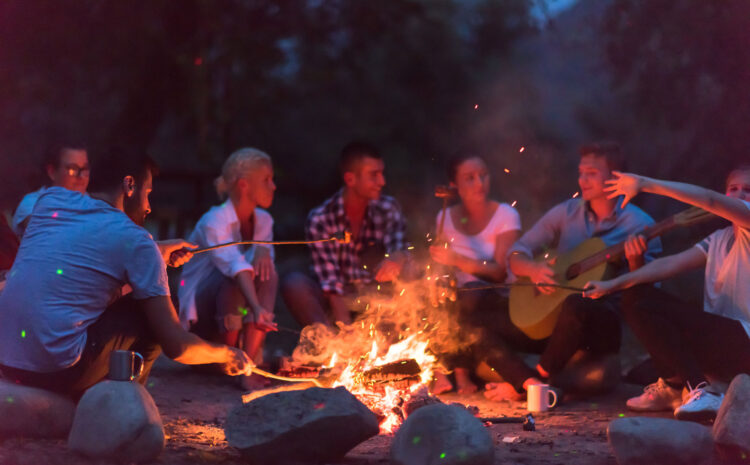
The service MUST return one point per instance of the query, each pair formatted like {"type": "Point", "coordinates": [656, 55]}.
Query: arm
{"type": "Point", "coordinates": [658, 270]}
{"type": "Point", "coordinates": [394, 240]}
{"type": "Point", "coordinates": [324, 255]}
{"type": "Point", "coordinates": [185, 347]}
{"type": "Point", "coordinates": [629, 185]}
{"type": "Point", "coordinates": [543, 234]}
{"type": "Point", "coordinates": [263, 316]}
{"type": "Point", "coordinates": [493, 270]}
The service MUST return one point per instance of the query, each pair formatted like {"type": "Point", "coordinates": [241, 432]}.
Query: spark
{"type": "Point", "coordinates": [378, 286]}
{"type": "Point", "coordinates": [506, 170]}
{"type": "Point", "coordinates": [476, 107]}
{"type": "Point", "coordinates": [521, 149]}
{"type": "Point", "coordinates": [484, 262]}
{"type": "Point", "coordinates": [402, 291]}
{"type": "Point", "coordinates": [514, 203]}
{"type": "Point", "coordinates": [411, 247]}
{"type": "Point", "coordinates": [387, 255]}
{"type": "Point", "coordinates": [364, 266]}
{"type": "Point", "coordinates": [576, 194]}
{"type": "Point", "coordinates": [452, 239]}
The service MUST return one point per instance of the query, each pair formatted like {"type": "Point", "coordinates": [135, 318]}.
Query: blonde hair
{"type": "Point", "coordinates": [239, 164]}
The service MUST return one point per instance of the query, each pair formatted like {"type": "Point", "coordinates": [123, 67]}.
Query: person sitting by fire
{"type": "Point", "coordinates": [61, 313]}
{"type": "Point", "coordinates": [690, 345]}
{"type": "Point", "coordinates": [67, 165]}
{"type": "Point", "coordinates": [477, 233]}
{"type": "Point", "coordinates": [376, 252]}
{"type": "Point", "coordinates": [228, 294]}
{"type": "Point", "coordinates": [582, 324]}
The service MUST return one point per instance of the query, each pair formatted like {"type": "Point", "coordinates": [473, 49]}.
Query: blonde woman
{"type": "Point", "coordinates": [228, 294]}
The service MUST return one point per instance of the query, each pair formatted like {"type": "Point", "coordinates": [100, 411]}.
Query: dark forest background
{"type": "Point", "coordinates": [190, 81]}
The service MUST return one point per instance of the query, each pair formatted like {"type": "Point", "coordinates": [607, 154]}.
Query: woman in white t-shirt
{"type": "Point", "coordinates": [691, 345]}
{"type": "Point", "coordinates": [229, 293]}
{"type": "Point", "coordinates": [477, 233]}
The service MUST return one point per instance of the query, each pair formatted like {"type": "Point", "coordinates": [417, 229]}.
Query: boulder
{"type": "Point", "coordinates": [444, 434]}
{"type": "Point", "coordinates": [732, 425]}
{"type": "Point", "coordinates": [33, 413]}
{"type": "Point", "coordinates": [659, 441]}
{"type": "Point", "coordinates": [310, 426]}
{"type": "Point", "coordinates": [117, 420]}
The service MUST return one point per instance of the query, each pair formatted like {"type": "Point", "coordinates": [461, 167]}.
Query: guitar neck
{"type": "Point", "coordinates": [616, 251]}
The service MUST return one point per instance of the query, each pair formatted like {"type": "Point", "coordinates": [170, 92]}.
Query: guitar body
{"type": "Point", "coordinates": [536, 313]}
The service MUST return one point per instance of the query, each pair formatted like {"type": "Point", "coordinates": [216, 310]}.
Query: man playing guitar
{"type": "Point", "coordinates": [591, 325]}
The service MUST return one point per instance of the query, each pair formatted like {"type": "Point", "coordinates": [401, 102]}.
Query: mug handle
{"type": "Point", "coordinates": [554, 398]}
{"type": "Point", "coordinates": [140, 367]}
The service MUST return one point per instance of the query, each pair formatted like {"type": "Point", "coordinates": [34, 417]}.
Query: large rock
{"type": "Point", "coordinates": [659, 441]}
{"type": "Point", "coordinates": [732, 426]}
{"type": "Point", "coordinates": [117, 420]}
{"type": "Point", "coordinates": [311, 426]}
{"type": "Point", "coordinates": [33, 413]}
{"type": "Point", "coordinates": [442, 434]}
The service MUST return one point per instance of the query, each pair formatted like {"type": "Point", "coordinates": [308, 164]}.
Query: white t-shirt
{"type": "Point", "coordinates": [217, 226]}
{"type": "Point", "coordinates": [727, 291]}
{"type": "Point", "coordinates": [75, 256]}
{"type": "Point", "coordinates": [480, 246]}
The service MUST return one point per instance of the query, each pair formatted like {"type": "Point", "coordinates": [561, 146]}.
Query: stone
{"type": "Point", "coordinates": [33, 413]}
{"type": "Point", "coordinates": [732, 425]}
{"type": "Point", "coordinates": [117, 420]}
{"type": "Point", "coordinates": [442, 434]}
{"type": "Point", "coordinates": [314, 425]}
{"type": "Point", "coordinates": [659, 441]}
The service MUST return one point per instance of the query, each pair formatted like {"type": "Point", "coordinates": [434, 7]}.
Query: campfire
{"type": "Point", "coordinates": [386, 358]}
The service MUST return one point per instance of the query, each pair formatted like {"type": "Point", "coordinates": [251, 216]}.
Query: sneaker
{"type": "Point", "coordinates": [701, 405]}
{"type": "Point", "coordinates": [656, 397]}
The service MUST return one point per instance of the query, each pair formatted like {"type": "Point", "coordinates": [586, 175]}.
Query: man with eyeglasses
{"type": "Point", "coordinates": [67, 165]}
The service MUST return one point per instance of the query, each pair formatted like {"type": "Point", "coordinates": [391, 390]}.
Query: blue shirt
{"type": "Point", "coordinates": [571, 222]}
{"type": "Point", "coordinates": [75, 256]}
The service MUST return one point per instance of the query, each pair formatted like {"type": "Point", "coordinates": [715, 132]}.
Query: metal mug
{"type": "Point", "coordinates": [122, 365]}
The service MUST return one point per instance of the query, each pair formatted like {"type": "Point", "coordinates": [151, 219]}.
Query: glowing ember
{"type": "Point", "coordinates": [521, 149]}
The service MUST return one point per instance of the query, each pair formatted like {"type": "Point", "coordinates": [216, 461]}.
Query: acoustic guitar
{"type": "Point", "coordinates": [536, 313]}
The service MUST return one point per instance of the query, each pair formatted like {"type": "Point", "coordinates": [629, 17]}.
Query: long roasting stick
{"type": "Point", "coordinates": [344, 240]}
{"type": "Point", "coordinates": [507, 285]}
{"type": "Point", "coordinates": [266, 374]}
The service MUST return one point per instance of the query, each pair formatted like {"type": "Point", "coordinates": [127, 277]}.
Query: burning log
{"type": "Point", "coordinates": [394, 371]}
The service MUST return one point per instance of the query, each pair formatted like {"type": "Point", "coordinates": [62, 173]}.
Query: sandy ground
{"type": "Point", "coordinates": [194, 406]}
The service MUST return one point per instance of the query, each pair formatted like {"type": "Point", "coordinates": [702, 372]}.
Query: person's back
{"type": "Point", "coordinates": [75, 256]}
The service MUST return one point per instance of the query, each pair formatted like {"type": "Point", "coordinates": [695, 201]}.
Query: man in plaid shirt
{"type": "Point", "coordinates": [377, 250]}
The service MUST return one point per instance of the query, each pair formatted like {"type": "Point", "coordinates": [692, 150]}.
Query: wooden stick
{"type": "Point", "coordinates": [343, 240]}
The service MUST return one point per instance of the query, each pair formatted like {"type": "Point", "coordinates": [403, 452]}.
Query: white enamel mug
{"type": "Point", "coordinates": [540, 398]}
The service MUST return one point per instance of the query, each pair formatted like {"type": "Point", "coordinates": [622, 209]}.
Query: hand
{"type": "Point", "coordinates": [544, 274]}
{"type": "Point", "coordinates": [263, 263]}
{"type": "Point", "coordinates": [264, 320]}
{"type": "Point", "coordinates": [626, 184]}
{"type": "Point", "coordinates": [443, 255]}
{"type": "Point", "coordinates": [237, 363]}
{"type": "Point", "coordinates": [176, 252]}
{"type": "Point", "coordinates": [388, 270]}
{"type": "Point", "coordinates": [597, 289]}
{"type": "Point", "coordinates": [635, 247]}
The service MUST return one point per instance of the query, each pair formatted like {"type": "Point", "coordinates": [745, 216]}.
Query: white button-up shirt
{"type": "Point", "coordinates": [218, 226]}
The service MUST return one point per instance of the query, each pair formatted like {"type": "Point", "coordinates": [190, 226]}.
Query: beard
{"type": "Point", "coordinates": [134, 210]}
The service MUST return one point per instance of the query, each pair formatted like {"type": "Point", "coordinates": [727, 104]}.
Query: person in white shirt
{"type": "Point", "coordinates": [477, 234]}
{"type": "Point", "coordinates": [62, 313]}
{"type": "Point", "coordinates": [229, 293]}
{"type": "Point", "coordinates": [691, 346]}
{"type": "Point", "coordinates": [67, 165]}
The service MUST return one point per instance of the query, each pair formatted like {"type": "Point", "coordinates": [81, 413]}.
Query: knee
{"type": "Point", "coordinates": [231, 293]}
{"type": "Point", "coordinates": [293, 282]}
{"type": "Point", "coordinates": [571, 309]}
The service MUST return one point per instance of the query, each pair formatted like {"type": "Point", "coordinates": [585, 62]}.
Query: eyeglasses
{"type": "Point", "coordinates": [78, 171]}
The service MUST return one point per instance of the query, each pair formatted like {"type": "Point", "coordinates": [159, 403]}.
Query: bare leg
{"type": "Point", "coordinates": [253, 338]}
{"type": "Point", "coordinates": [304, 299]}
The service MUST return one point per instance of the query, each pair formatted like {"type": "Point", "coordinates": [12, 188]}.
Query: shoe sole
{"type": "Point", "coordinates": [705, 416]}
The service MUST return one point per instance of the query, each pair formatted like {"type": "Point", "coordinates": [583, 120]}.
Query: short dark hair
{"type": "Point", "coordinates": [354, 152]}
{"type": "Point", "coordinates": [611, 151]}
{"type": "Point", "coordinates": [53, 151]}
{"type": "Point", "coordinates": [109, 170]}
{"type": "Point", "coordinates": [458, 159]}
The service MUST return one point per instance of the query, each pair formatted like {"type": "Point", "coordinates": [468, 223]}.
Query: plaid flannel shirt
{"type": "Point", "coordinates": [337, 264]}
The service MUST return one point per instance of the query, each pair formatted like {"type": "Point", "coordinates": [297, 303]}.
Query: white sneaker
{"type": "Point", "coordinates": [700, 405]}
{"type": "Point", "coordinates": [656, 397]}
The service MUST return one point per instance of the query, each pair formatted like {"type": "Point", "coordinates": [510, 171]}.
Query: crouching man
{"type": "Point", "coordinates": [62, 313]}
